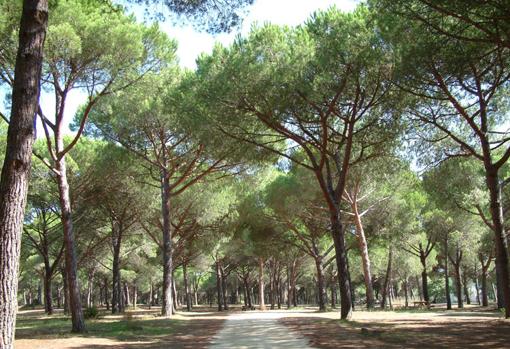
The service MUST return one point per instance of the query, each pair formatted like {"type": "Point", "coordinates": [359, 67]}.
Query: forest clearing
{"type": "Point", "coordinates": [254, 174]}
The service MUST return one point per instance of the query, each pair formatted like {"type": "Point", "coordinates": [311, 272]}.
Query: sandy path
{"type": "Point", "coordinates": [257, 330]}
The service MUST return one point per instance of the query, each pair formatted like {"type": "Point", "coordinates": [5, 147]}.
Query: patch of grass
{"type": "Point", "coordinates": [60, 327]}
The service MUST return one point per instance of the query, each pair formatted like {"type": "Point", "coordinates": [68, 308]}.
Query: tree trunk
{"type": "Point", "coordinates": [363, 248]}
{"type": "Point", "coordinates": [16, 166]}
{"type": "Point", "coordinates": [261, 284]}
{"type": "Point", "coordinates": [105, 285]}
{"type": "Point", "coordinates": [174, 296]}
{"type": "Point", "coordinates": [424, 278]}
{"type": "Point", "coordinates": [224, 291]}
{"type": "Point", "coordinates": [485, 296]}
{"type": "Point", "coordinates": [405, 286]}
{"type": "Point", "coordinates": [78, 323]}
{"type": "Point", "coordinates": [116, 283]}
{"type": "Point", "coordinates": [166, 309]}
{"type": "Point", "coordinates": [135, 296]}
{"type": "Point", "coordinates": [446, 276]}
{"type": "Point", "coordinates": [66, 292]}
{"type": "Point", "coordinates": [496, 209]}
{"type": "Point", "coordinates": [343, 270]}
{"type": "Point", "coordinates": [466, 289]}
{"type": "Point", "coordinates": [186, 287]}
{"type": "Point", "coordinates": [48, 301]}
{"type": "Point", "coordinates": [321, 284]}
{"type": "Point", "coordinates": [387, 278]}
{"type": "Point", "coordinates": [458, 286]}
{"type": "Point", "coordinates": [126, 294]}
{"type": "Point", "coordinates": [219, 286]}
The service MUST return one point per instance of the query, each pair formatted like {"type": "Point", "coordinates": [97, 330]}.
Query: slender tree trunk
{"type": "Point", "coordinates": [16, 166]}
{"type": "Point", "coordinates": [458, 286]}
{"type": "Point", "coordinates": [66, 292]}
{"type": "Point", "coordinates": [48, 301]}
{"type": "Point", "coordinates": [343, 271]}
{"type": "Point", "coordinates": [446, 276]}
{"type": "Point", "coordinates": [321, 284]}
{"type": "Point", "coordinates": [485, 296]}
{"type": "Point", "coordinates": [135, 296]}
{"type": "Point", "coordinates": [174, 296]}
{"type": "Point", "coordinates": [105, 285]}
{"type": "Point", "coordinates": [186, 286]}
{"type": "Point", "coordinates": [166, 309]}
{"type": "Point", "coordinates": [466, 289]}
{"type": "Point", "coordinates": [500, 238]}
{"type": "Point", "coordinates": [424, 277]}
{"type": "Point", "coordinates": [224, 291]}
{"type": "Point", "coordinates": [405, 286]}
{"type": "Point", "coordinates": [363, 248]}
{"type": "Point", "coordinates": [219, 286]}
{"type": "Point", "coordinates": [387, 279]}
{"type": "Point", "coordinates": [78, 323]}
{"type": "Point", "coordinates": [116, 283]}
{"type": "Point", "coordinates": [261, 284]}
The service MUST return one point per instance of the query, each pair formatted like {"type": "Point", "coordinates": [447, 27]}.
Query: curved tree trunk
{"type": "Point", "coordinates": [16, 166]}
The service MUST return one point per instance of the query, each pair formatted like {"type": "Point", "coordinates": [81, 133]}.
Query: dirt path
{"type": "Point", "coordinates": [257, 330]}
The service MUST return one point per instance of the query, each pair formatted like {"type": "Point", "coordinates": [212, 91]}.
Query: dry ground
{"type": "Point", "coordinates": [140, 329]}
{"type": "Point", "coordinates": [435, 328]}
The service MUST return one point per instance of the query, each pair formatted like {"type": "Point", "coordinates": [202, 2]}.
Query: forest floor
{"type": "Point", "coordinates": [141, 328]}
{"type": "Point", "coordinates": [471, 327]}
{"type": "Point", "coordinates": [299, 328]}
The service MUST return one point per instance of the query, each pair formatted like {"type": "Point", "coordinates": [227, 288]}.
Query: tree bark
{"type": "Point", "coordinates": [321, 284]}
{"type": "Point", "coordinates": [500, 238]}
{"type": "Point", "coordinates": [424, 277]}
{"type": "Point", "coordinates": [16, 166]}
{"type": "Point", "coordinates": [219, 286]}
{"type": "Point", "coordinates": [446, 276]}
{"type": "Point", "coordinates": [343, 270]}
{"type": "Point", "coordinates": [186, 286]}
{"type": "Point", "coordinates": [262, 304]}
{"type": "Point", "coordinates": [387, 278]}
{"type": "Point", "coordinates": [117, 304]}
{"type": "Point", "coordinates": [363, 248]}
{"type": "Point", "coordinates": [78, 323]}
{"type": "Point", "coordinates": [166, 309]}
{"type": "Point", "coordinates": [48, 301]}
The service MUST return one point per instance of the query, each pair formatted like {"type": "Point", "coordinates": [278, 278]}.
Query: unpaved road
{"type": "Point", "coordinates": [257, 330]}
